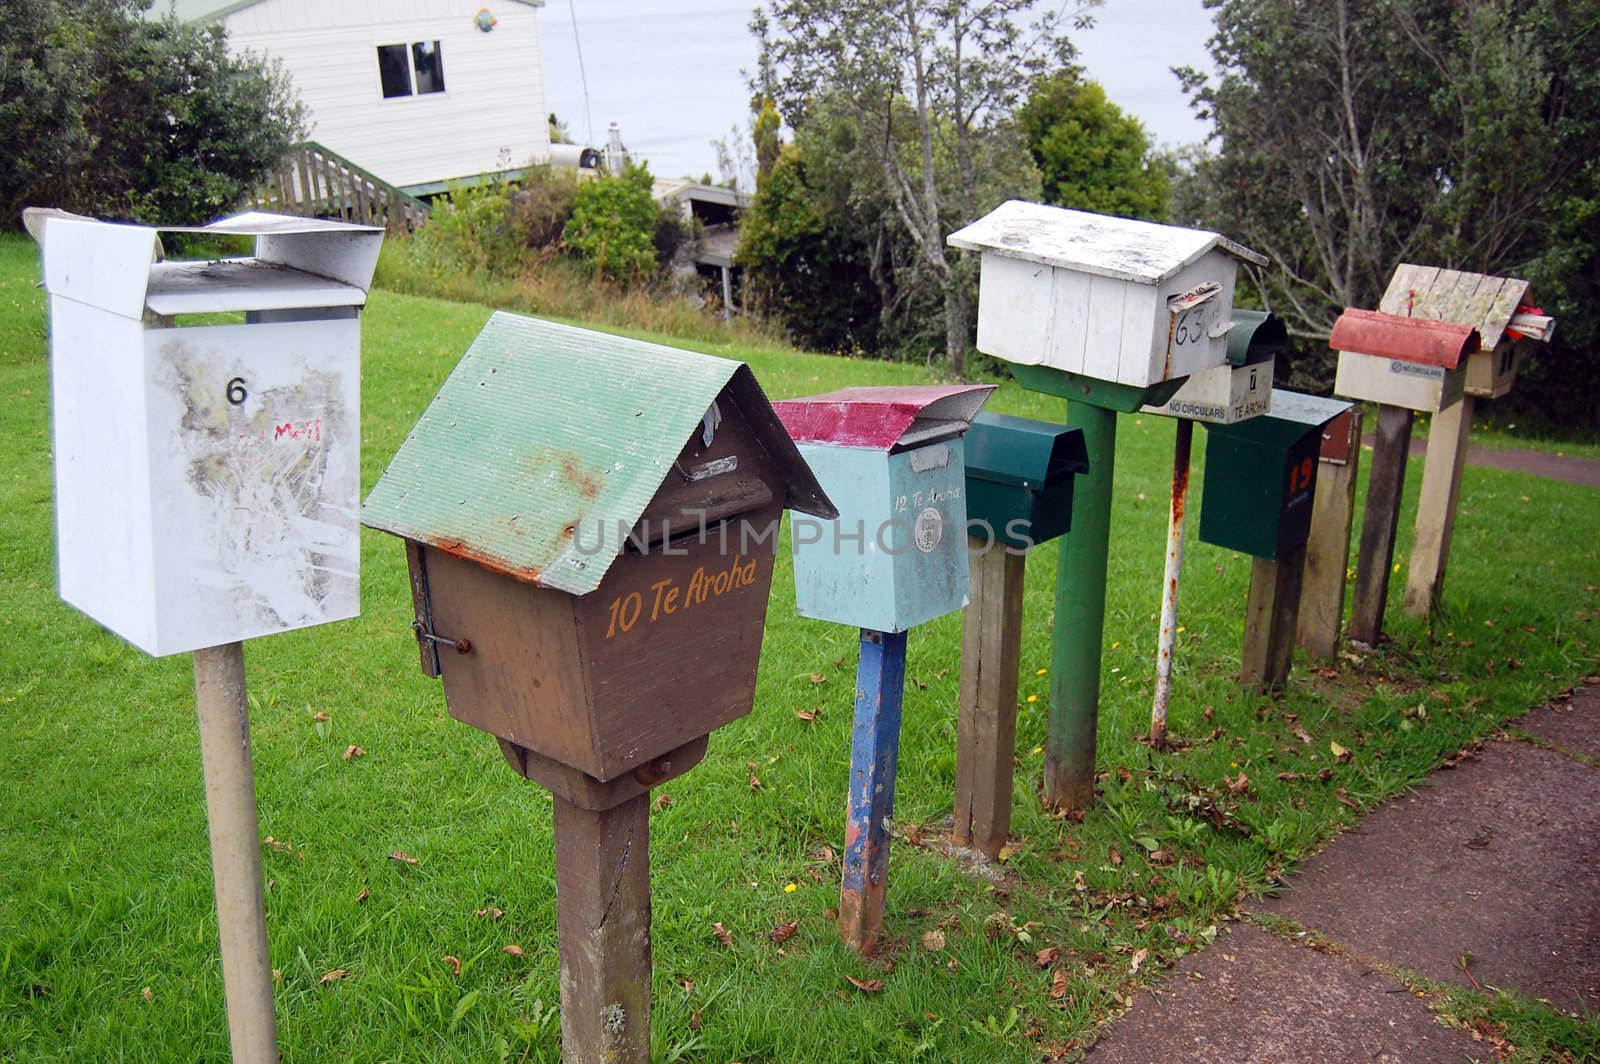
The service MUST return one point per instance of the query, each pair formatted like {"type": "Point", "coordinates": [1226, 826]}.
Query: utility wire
{"type": "Point", "coordinates": [583, 78]}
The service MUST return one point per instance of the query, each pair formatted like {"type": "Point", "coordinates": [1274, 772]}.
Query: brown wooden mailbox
{"type": "Point", "coordinates": [591, 523]}
{"type": "Point", "coordinates": [591, 526]}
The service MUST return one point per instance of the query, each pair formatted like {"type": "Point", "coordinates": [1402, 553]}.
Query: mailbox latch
{"type": "Point", "coordinates": [462, 646]}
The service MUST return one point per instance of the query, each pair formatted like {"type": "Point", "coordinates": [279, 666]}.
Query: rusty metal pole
{"type": "Point", "coordinates": [224, 717]}
{"type": "Point", "coordinates": [1170, 580]}
{"type": "Point", "coordinates": [603, 931]}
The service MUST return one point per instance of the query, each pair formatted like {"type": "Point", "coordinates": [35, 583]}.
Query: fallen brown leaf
{"type": "Point", "coordinates": [353, 751]}
{"type": "Point", "coordinates": [454, 962]}
{"type": "Point", "coordinates": [784, 932]}
{"type": "Point", "coordinates": [694, 1020]}
{"type": "Point", "coordinates": [1139, 957]}
{"type": "Point", "coordinates": [817, 677]}
{"type": "Point", "coordinates": [402, 857]}
{"type": "Point", "coordinates": [1077, 880]}
{"type": "Point", "coordinates": [755, 782]}
{"type": "Point", "coordinates": [1007, 852]}
{"type": "Point", "coordinates": [933, 941]}
{"type": "Point", "coordinates": [1116, 857]}
{"type": "Point", "coordinates": [1288, 777]}
{"type": "Point", "coordinates": [1047, 956]}
{"type": "Point", "coordinates": [1237, 786]}
{"type": "Point", "coordinates": [871, 986]}
{"type": "Point", "coordinates": [1058, 985]}
{"type": "Point", "coordinates": [722, 934]}
{"type": "Point", "coordinates": [363, 896]}
{"type": "Point", "coordinates": [663, 801]}
{"type": "Point", "coordinates": [1161, 857]}
{"type": "Point", "coordinates": [1345, 800]}
{"type": "Point", "coordinates": [1301, 734]}
{"type": "Point", "coordinates": [808, 715]}
{"type": "Point", "coordinates": [491, 912]}
{"type": "Point", "coordinates": [513, 949]}
{"type": "Point", "coordinates": [321, 718]}
{"type": "Point", "coordinates": [333, 976]}
{"type": "Point", "coordinates": [147, 994]}
{"type": "Point", "coordinates": [1340, 753]}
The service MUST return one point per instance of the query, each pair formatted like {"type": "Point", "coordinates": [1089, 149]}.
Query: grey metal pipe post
{"type": "Point", "coordinates": [219, 691]}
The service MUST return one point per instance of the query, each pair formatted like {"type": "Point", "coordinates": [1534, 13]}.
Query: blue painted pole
{"type": "Point", "coordinates": [874, 755]}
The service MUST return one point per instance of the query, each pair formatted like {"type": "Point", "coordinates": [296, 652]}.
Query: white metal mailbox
{"type": "Point", "coordinates": [207, 475]}
{"type": "Point", "coordinates": [1112, 299]}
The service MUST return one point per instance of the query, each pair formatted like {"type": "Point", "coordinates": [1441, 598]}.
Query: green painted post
{"type": "Point", "coordinates": [1080, 618]}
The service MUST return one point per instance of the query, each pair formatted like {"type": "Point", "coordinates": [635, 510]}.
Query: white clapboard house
{"type": "Point", "coordinates": [418, 92]}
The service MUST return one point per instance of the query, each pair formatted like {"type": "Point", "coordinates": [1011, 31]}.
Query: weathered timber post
{"type": "Point", "coordinates": [1270, 615]}
{"type": "Point", "coordinates": [1380, 523]}
{"type": "Point", "coordinates": [1442, 466]}
{"type": "Point", "coordinates": [1328, 550]}
{"type": "Point", "coordinates": [986, 721]}
{"type": "Point", "coordinates": [224, 717]}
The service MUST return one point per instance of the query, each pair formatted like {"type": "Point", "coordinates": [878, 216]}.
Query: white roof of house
{"type": "Point", "coordinates": [200, 10]}
{"type": "Point", "coordinates": [1120, 248]}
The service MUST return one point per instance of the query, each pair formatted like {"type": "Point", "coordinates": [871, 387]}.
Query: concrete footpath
{"type": "Point", "coordinates": [1486, 875]}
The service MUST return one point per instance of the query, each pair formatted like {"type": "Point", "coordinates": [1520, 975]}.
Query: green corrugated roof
{"type": "Point", "coordinates": [547, 442]}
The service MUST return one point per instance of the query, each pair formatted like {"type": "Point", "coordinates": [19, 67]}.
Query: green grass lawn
{"type": "Point", "coordinates": [108, 944]}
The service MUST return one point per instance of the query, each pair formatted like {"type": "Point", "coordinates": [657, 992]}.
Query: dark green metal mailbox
{"type": "Point", "coordinates": [1019, 479]}
{"type": "Point", "coordinates": [1256, 337]}
{"type": "Point", "coordinates": [1261, 475]}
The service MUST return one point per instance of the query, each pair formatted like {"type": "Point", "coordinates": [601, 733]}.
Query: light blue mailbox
{"type": "Point", "coordinates": [891, 458]}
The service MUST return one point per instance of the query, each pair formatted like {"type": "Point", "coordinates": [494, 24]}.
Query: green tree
{"type": "Point", "coordinates": [613, 224]}
{"type": "Point", "coordinates": [115, 114]}
{"type": "Point", "coordinates": [1357, 134]}
{"type": "Point", "coordinates": [931, 85]}
{"type": "Point", "coordinates": [1090, 155]}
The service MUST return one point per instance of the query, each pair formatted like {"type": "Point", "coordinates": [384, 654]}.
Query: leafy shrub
{"type": "Point", "coordinates": [542, 205]}
{"type": "Point", "coordinates": [613, 225]}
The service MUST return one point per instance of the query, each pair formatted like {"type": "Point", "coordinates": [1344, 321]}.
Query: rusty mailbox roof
{"type": "Point", "coordinates": [1473, 299]}
{"type": "Point", "coordinates": [879, 418]}
{"type": "Point", "coordinates": [1432, 343]}
{"type": "Point", "coordinates": [543, 429]}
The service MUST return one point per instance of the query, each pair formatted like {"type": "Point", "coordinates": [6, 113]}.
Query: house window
{"type": "Point", "coordinates": [405, 69]}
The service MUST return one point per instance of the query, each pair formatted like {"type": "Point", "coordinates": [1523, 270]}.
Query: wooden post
{"type": "Point", "coordinates": [1379, 524]}
{"type": "Point", "coordinates": [224, 715]}
{"type": "Point", "coordinates": [1442, 466]}
{"type": "Point", "coordinates": [1328, 550]}
{"type": "Point", "coordinates": [986, 726]}
{"type": "Point", "coordinates": [874, 756]}
{"type": "Point", "coordinates": [1069, 745]}
{"type": "Point", "coordinates": [603, 931]}
{"type": "Point", "coordinates": [1270, 616]}
{"type": "Point", "coordinates": [1172, 575]}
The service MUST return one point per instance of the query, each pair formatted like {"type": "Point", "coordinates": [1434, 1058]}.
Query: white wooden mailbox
{"type": "Point", "coordinates": [1113, 299]}
{"type": "Point", "coordinates": [207, 475]}
{"type": "Point", "coordinates": [1412, 363]}
{"type": "Point", "coordinates": [1500, 308]}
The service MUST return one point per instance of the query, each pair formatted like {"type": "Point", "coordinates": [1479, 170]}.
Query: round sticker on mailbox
{"type": "Point", "coordinates": [929, 530]}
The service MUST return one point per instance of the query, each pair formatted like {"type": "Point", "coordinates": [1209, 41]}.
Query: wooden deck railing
{"type": "Point", "coordinates": [314, 182]}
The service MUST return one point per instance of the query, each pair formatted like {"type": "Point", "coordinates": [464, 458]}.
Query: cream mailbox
{"type": "Point", "coordinates": [207, 480]}
{"type": "Point", "coordinates": [891, 459]}
{"type": "Point", "coordinates": [591, 524]}
{"type": "Point", "coordinates": [1240, 389]}
{"type": "Point", "coordinates": [207, 476]}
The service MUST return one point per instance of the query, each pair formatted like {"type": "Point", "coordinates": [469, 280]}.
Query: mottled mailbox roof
{"type": "Point", "coordinates": [1473, 299]}
{"type": "Point", "coordinates": [881, 418]}
{"type": "Point", "coordinates": [1431, 343]}
{"type": "Point", "coordinates": [543, 427]}
{"type": "Point", "coordinates": [1293, 414]}
{"type": "Point", "coordinates": [1119, 248]}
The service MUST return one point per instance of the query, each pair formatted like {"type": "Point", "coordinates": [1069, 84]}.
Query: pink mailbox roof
{"type": "Point", "coordinates": [1432, 343]}
{"type": "Point", "coordinates": [880, 418]}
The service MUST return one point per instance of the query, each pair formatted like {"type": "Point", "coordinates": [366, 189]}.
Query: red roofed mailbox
{"type": "Point", "coordinates": [591, 523]}
{"type": "Point", "coordinates": [1396, 361]}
